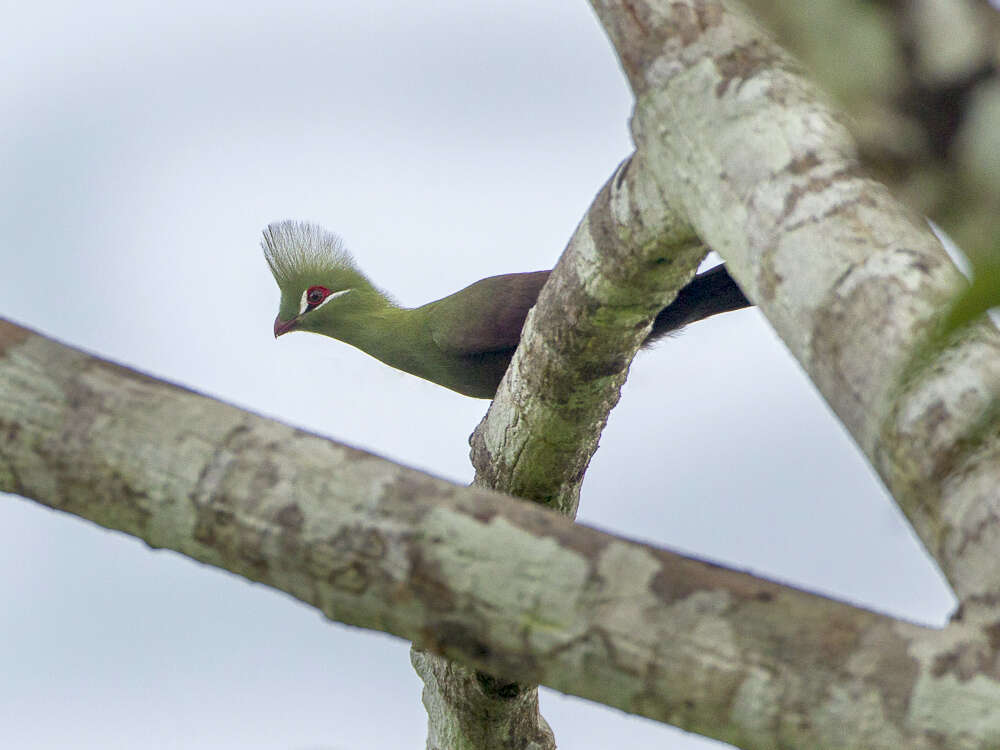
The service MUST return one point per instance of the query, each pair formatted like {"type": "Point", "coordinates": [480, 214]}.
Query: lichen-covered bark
{"type": "Point", "coordinates": [732, 141]}
{"type": "Point", "coordinates": [736, 148]}
{"type": "Point", "coordinates": [500, 585]}
{"type": "Point", "coordinates": [470, 710]}
{"type": "Point", "coordinates": [921, 80]}
{"type": "Point", "coordinates": [627, 259]}
{"type": "Point", "coordinates": [747, 149]}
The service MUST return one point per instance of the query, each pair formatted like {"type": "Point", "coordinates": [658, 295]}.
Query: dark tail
{"type": "Point", "coordinates": [707, 294]}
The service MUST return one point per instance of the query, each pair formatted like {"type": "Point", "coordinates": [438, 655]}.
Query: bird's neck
{"type": "Point", "coordinates": [395, 335]}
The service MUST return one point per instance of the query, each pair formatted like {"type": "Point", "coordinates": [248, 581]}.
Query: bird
{"type": "Point", "coordinates": [463, 341]}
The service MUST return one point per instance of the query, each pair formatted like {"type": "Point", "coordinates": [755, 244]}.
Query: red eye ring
{"type": "Point", "coordinates": [316, 294]}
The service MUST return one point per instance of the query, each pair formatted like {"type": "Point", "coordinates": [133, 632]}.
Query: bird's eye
{"type": "Point", "coordinates": [316, 294]}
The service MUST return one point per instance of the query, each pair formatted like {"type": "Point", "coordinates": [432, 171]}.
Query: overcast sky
{"type": "Point", "coordinates": [144, 145]}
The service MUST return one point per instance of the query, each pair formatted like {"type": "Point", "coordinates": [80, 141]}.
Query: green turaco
{"type": "Point", "coordinates": [464, 341]}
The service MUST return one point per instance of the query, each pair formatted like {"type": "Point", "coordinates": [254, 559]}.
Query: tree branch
{"type": "Point", "coordinates": [628, 258]}
{"type": "Point", "coordinates": [925, 103]}
{"type": "Point", "coordinates": [500, 585]}
{"type": "Point", "coordinates": [850, 279]}
{"type": "Point", "coordinates": [633, 250]}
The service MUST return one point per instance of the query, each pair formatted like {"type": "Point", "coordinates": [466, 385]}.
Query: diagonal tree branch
{"type": "Point", "coordinates": [500, 585]}
{"type": "Point", "coordinates": [925, 101]}
{"type": "Point", "coordinates": [636, 243]}
{"type": "Point", "coordinates": [628, 258]}
{"type": "Point", "coordinates": [851, 280]}
{"type": "Point", "coordinates": [756, 166]}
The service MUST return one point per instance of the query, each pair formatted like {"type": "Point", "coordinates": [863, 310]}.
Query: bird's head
{"type": "Point", "coordinates": [319, 283]}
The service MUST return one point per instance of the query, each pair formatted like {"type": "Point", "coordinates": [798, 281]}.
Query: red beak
{"type": "Point", "coordinates": [284, 326]}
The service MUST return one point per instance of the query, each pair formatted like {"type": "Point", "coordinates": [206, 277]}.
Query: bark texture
{"type": "Point", "coordinates": [498, 584]}
{"type": "Point", "coordinates": [734, 149]}
{"type": "Point", "coordinates": [923, 88]}
{"type": "Point", "coordinates": [628, 258]}
{"type": "Point", "coordinates": [852, 280]}
{"type": "Point", "coordinates": [467, 708]}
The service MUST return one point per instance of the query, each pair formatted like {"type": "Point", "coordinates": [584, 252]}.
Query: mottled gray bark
{"type": "Point", "coordinates": [921, 80]}
{"type": "Point", "coordinates": [627, 259]}
{"type": "Point", "coordinates": [497, 584]}
{"type": "Point", "coordinates": [625, 262]}
{"type": "Point", "coordinates": [852, 281]}
{"type": "Point", "coordinates": [468, 709]}
{"type": "Point", "coordinates": [736, 148]}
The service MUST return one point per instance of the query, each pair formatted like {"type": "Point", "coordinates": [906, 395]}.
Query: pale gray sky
{"type": "Point", "coordinates": [143, 147]}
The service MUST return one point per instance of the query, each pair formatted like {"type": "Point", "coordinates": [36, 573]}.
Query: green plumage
{"type": "Point", "coordinates": [464, 341]}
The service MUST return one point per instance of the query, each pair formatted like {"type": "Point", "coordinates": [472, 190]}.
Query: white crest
{"type": "Point", "coordinates": [297, 248]}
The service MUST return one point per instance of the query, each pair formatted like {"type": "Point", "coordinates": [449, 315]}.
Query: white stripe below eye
{"type": "Point", "coordinates": [304, 303]}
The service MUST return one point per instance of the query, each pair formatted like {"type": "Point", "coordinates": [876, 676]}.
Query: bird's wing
{"type": "Point", "coordinates": [486, 316]}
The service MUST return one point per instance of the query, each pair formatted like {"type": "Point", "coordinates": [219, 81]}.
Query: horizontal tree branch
{"type": "Point", "coordinates": [498, 584]}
